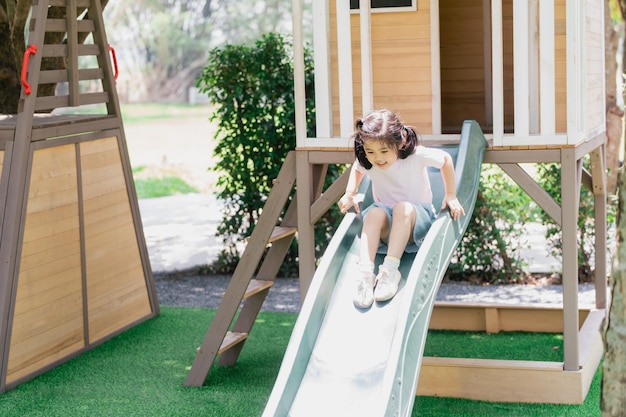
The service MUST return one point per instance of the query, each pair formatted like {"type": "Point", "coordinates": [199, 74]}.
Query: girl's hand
{"type": "Point", "coordinates": [456, 209]}
{"type": "Point", "coordinates": [347, 201]}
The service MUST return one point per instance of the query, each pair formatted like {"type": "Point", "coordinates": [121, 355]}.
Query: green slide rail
{"type": "Point", "coordinates": [342, 360]}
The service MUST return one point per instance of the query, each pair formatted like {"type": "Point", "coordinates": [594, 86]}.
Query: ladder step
{"type": "Point", "coordinates": [256, 286]}
{"type": "Point", "coordinates": [280, 232]}
{"type": "Point", "coordinates": [231, 339]}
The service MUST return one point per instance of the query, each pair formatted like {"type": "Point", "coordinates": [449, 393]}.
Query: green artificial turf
{"type": "Point", "coordinates": [141, 373]}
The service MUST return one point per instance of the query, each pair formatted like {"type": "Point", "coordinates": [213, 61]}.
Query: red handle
{"type": "Point", "coordinates": [114, 61]}
{"type": "Point", "coordinates": [31, 50]}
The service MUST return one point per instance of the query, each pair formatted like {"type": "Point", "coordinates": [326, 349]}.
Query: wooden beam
{"type": "Point", "coordinates": [569, 226]}
{"type": "Point", "coordinates": [534, 190]}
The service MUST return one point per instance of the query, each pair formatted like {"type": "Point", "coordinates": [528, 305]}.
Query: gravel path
{"type": "Point", "coordinates": [188, 290]}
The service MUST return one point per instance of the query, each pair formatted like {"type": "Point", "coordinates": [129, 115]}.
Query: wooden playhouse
{"type": "Point", "coordinates": [532, 74]}
{"type": "Point", "coordinates": [74, 267]}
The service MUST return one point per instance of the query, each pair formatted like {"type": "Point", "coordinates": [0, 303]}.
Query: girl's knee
{"type": "Point", "coordinates": [404, 210]}
{"type": "Point", "coordinates": [377, 216]}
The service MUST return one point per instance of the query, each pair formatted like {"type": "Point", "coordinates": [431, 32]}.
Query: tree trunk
{"type": "Point", "coordinates": [613, 112]}
{"type": "Point", "coordinates": [613, 400]}
{"type": "Point", "coordinates": [9, 79]}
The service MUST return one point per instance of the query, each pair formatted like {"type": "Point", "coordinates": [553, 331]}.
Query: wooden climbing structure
{"type": "Point", "coordinates": [74, 266]}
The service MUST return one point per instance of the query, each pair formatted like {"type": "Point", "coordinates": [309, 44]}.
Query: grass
{"type": "Point", "coordinates": [162, 186]}
{"type": "Point", "coordinates": [141, 372]}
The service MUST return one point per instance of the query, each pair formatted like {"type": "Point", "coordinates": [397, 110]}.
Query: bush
{"type": "Point", "coordinates": [252, 88]}
{"type": "Point", "coordinates": [489, 250]}
{"type": "Point", "coordinates": [550, 180]}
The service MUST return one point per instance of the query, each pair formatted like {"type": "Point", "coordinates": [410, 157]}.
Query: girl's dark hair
{"type": "Point", "coordinates": [384, 126]}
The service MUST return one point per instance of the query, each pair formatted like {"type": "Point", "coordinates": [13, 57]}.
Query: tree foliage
{"type": "Point", "coordinates": [489, 250]}
{"type": "Point", "coordinates": [550, 180]}
{"type": "Point", "coordinates": [252, 89]}
{"type": "Point", "coordinates": [162, 44]}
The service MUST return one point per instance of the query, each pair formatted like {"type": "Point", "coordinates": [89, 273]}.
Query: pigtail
{"type": "Point", "coordinates": [410, 140]}
{"type": "Point", "coordinates": [359, 149]}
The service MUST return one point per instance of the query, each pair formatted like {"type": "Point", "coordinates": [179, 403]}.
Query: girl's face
{"type": "Point", "coordinates": [380, 154]}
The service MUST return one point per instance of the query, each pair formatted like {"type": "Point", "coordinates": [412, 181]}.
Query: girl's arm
{"type": "Point", "coordinates": [354, 180]}
{"type": "Point", "coordinates": [449, 199]}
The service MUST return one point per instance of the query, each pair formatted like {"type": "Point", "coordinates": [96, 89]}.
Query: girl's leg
{"type": "Point", "coordinates": [388, 278]}
{"type": "Point", "coordinates": [375, 227]}
{"type": "Point", "coordinates": [374, 224]}
{"type": "Point", "coordinates": [401, 228]}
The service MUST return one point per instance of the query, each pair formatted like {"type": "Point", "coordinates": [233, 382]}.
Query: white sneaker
{"type": "Point", "coordinates": [387, 283]}
{"type": "Point", "coordinates": [364, 295]}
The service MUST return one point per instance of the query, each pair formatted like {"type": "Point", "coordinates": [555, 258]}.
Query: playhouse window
{"type": "Point", "coordinates": [388, 5]}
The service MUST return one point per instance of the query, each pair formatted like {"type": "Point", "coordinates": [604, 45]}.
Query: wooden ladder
{"type": "Point", "coordinates": [219, 340]}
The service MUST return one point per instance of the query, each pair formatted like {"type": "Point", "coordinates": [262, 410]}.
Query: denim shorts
{"type": "Point", "coordinates": [424, 218]}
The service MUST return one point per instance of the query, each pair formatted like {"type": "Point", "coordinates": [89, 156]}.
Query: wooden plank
{"type": "Point", "coordinates": [588, 334]}
{"type": "Point", "coordinates": [48, 127]}
{"type": "Point", "coordinates": [53, 179]}
{"type": "Point", "coordinates": [48, 222]}
{"type": "Point", "coordinates": [108, 201]}
{"type": "Point", "coordinates": [49, 274]}
{"type": "Point", "coordinates": [107, 321]}
{"type": "Point", "coordinates": [305, 195]}
{"type": "Point", "coordinates": [107, 259]}
{"type": "Point", "coordinates": [54, 102]}
{"type": "Point", "coordinates": [329, 197]}
{"type": "Point", "coordinates": [499, 381]}
{"type": "Point", "coordinates": [71, 62]}
{"type": "Point", "coordinates": [256, 286]}
{"type": "Point", "coordinates": [48, 311]}
{"type": "Point", "coordinates": [61, 50]}
{"type": "Point", "coordinates": [96, 187]}
{"type": "Point", "coordinates": [492, 320]}
{"type": "Point", "coordinates": [96, 148]}
{"type": "Point", "coordinates": [117, 280]}
{"type": "Point", "coordinates": [116, 289]}
{"type": "Point", "coordinates": [62, 3]}
{"type": "Point", "coordinates": [479, 317]}
{"type": "Point", "coordinates": [116, 285]}
{"type": "Point", "coordinates": [51, 346]}
{"type": "Point", "coordinates": [231, 339]}
{"type": "Point", "coordinates": [60, 25]}
{"type": "Point", "coordinates": [56, 76]}
{"type": "Point", "coordinates": [48, 316]}
{"type": "Point", "coordinates": [281, 232]}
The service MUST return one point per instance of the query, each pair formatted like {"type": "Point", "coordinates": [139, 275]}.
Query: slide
{"type": "Point", "coordinates": [345, 361]}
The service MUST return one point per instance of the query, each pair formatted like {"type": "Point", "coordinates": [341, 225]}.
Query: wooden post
{"type": "Point", "coordinates": [570, 186]}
